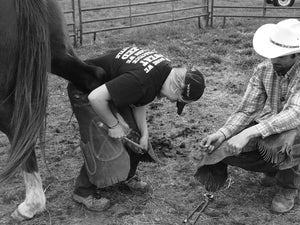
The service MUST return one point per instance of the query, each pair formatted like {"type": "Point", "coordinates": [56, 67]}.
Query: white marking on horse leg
{"type": "Point", "coordinates": [35, 200]}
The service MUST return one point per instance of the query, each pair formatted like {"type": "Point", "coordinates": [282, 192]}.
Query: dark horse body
{"type": "Point", "coordinates": [33, 41]}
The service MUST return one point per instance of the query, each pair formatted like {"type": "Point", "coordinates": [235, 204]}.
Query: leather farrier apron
{"type": "Point", "coordinates": [106, 159]}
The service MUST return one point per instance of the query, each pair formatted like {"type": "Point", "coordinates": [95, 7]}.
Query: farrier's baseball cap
{"type": "Point", "coordinates": [193, 89]}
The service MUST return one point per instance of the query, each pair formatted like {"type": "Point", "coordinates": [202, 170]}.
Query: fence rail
{"type": "Point", "coordinates": [200, 10]}
{"type": "Point", "coordinates": [83, 19]}
{"type": "Point", "coordinates": [70, 14]}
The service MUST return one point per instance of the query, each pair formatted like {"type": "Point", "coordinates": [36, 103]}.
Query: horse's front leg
{"type": "Point", "coordinates": [35, 200]}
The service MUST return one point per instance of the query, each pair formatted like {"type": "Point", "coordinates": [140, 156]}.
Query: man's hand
{"type": "Point", "coordinates": [144, 142]}
{"type": "Point", "coordinates": [236, 144]}
{"type": "Point", "coordinates": [123, 122]}
{"type": "Point", "coordinates": [117, 132]}
{"type": "Point", "coordinates": [213, 141]}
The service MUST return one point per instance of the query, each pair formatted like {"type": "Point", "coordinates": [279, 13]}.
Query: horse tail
{"type": "Point", "coordinates": [30, 75]}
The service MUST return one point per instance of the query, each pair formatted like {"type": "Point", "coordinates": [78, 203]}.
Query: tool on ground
{"type": "Point", "coordinates": [202, 206]}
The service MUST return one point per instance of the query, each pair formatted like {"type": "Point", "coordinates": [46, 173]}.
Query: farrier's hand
{"type": "Point", "coordinates": [123, 123]}
{"type": "Point", "coordinates": [212, 142]}
{"type": "Point", "coordinates": [236, 144]}
{"type": "Point", "coordinates": [144, 142]}
{"type": "Point", "coordinates": [117, 131]}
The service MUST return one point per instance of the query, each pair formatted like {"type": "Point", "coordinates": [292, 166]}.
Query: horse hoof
{"type": "Point", "coordinates": [16, 215]}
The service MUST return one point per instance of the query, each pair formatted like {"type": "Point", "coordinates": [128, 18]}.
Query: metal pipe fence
{"type": "Point", "coordinates": [135, 14]}
{"type": "Point", "coordinates": [70, 15]}
{"type": "Point", "coordinates": [90, 17]}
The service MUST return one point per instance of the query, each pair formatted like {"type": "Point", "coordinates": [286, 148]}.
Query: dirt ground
{"type": "Point", "coordinates": [226, 58]}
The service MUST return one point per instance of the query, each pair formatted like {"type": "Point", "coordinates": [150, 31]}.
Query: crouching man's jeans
{"type": "Point", "coordinates": [252, 161]}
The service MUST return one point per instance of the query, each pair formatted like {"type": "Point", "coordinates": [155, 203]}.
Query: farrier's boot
{"type": "Point", "coordinates": [284, 200]}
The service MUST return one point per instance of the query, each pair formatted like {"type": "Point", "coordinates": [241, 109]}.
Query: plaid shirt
{"type": "Point", "coordinates": [270, 100]}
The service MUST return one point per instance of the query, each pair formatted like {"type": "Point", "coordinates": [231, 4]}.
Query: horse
{"type": "Point", "coordinates": [33, 43]}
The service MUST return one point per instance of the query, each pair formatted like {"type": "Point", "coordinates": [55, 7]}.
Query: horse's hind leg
{"type": "Point", "coordinates": [64, 62]}
{"type": "Point", "coordinates": [35, 200]}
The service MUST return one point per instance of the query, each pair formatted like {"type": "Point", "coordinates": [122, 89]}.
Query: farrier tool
{"type": "Point", "coordinates": [138, 148]}
{"type": "Point", "coordinates": [135, 146]}
{"type": "Point", "coordinates": [202, 206]}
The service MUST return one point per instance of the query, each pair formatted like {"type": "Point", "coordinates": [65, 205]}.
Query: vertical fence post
{"type": "Point", "coordinates": [203, 19]}
{"type": "Point", "coordinates": [211, 13]}
{"type": "Point", "coordinates": [207, 11]}
{"type": "Point", "coordinates": [80, 22]}
{"type": "Point", "coordinates": [75, 24]}
{"type": "Point", "coordinates": [224, 21]}
{"type": "Point", "coordinates": [173, 12]}
{"type": "Point", "coordinates": [130, 13]}
{"type": "Point", "coordinates": [264, 8]}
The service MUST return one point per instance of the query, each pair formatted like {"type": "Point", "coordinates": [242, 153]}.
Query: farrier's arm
{"type": "Point", "coordinates": [99, 99]}
{"type": "Point", "coordinates": [141, 120]}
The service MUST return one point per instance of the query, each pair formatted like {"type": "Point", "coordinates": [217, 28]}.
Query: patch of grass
{"type": "Point", "coordinates": [220, 50]}
{"type": "Point", "coordinates": [246, 52]}
{"type": "Point", "coordinates": [235, 35]}
{"type": "Point", "coordinates": [247, 45]}
{"type": "Point", "coordinates": [234, 88]}
{"type": "Point", "coordinates": [226, 41]}
{"type": "Point", "coordinates": [247, 63]}
{"type": "Point", "coordinates": [200, 43]}
{"type": "Point", "coordinates": [212, 59]}
{"type": "Point", "coordinates": [13, 196]}
{"type": "Point", "coordinates": [177, 50]}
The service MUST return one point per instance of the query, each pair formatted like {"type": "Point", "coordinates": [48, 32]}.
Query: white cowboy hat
{"type": "Point", "coordinates": [275, 40]}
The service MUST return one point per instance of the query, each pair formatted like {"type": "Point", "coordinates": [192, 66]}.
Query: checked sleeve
{"type": "Point", "coordinates": [251, 105]}
{"type": "Point", "coordinates": [287, 119]}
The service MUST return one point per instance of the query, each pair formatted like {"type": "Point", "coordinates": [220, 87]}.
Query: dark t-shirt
{"type": "Point", "coordinates": [133, 75]}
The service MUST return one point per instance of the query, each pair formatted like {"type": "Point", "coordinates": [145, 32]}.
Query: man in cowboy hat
{"type": "Point", "coordinates": [261, 135]}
